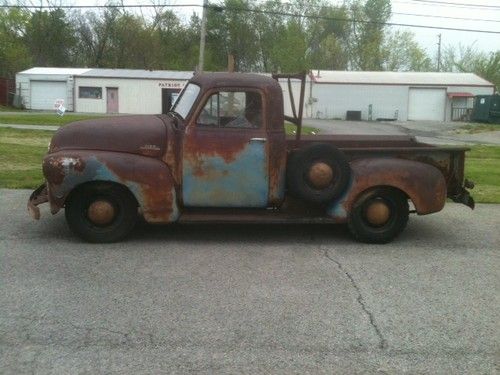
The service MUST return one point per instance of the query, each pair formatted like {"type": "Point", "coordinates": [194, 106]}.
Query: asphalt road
{"type": "Point", "coordinates": [259, 299]}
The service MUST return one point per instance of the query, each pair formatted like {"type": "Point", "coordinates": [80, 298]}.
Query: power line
{"type": "Point", "coordinates": [451, 4]}
{"type": "Point", "coordinates": [418, 15]}
{"type": "Point", "coordinates": [259, 11]}
{"type": "Point", "coordinates": [352, 20]}
{"type": "Point", "coordinates": [320, 7]}
{"type": "Point", "coordinates": [459, 4]}
{"type": "Point", "coordinates": [99, 6]}
{"type": "Point", "coordinates": [447, 17]}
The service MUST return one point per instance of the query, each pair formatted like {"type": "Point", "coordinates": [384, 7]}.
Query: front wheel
{"type": "Point", "coordinates": [101, 212]}
{"type": "Point", "coordinates": [379, 215]}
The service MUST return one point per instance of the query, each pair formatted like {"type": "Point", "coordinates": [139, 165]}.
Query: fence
{"type": "Point", "coordinates": [460, 114]}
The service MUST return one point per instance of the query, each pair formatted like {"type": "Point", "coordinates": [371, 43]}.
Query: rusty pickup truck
{"type": "Point", "coordinates": [221, 155]}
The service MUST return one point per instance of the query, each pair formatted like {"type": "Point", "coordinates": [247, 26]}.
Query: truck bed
{"type": "Point", "coordinates": [448, 159]}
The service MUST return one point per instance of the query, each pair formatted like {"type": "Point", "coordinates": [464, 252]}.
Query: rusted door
{"type": "Point", "coordinates": [112, 100]}
{"type": "Point", "coordinates": [225, 161]}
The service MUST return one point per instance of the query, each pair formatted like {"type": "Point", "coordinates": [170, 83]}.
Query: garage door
{"type": "Point", "coordinates": [45, 93]}
{"type": "Point", "coordinates": [427, 104]}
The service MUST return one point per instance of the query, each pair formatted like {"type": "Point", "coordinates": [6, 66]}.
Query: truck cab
{"type": "Point", "coordinates": [233, 144]}
{"type": "Point", "coordinates": [221, 155]}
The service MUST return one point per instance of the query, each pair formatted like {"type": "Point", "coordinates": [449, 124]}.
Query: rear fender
{"type": "Point", "coordinates": [148, 179]}
{"type": "Point", "coordinates": [424, 184]}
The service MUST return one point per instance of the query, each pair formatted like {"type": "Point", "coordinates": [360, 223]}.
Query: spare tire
{"type": "Point", "coordinates": [318, 173]}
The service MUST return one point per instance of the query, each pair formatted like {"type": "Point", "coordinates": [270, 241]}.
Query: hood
{"type": "Point", "coordinates": [144, 135]}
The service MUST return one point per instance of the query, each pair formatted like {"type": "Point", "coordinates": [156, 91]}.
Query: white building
{"type": "Point", "coordinates": [39, 88]}
{"type": "Point", "coordinates": [328, 94]}
{"type": "Point", "coordinates": [393, 95]}
{"type": "Point", "coordinates": [100, 90]}
{"type": "Point", "coordinates": [128, 90]}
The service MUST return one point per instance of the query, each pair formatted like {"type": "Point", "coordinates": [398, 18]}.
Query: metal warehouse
{"type": "Point", "coordinates": [329, 94]}
{"type": "Point", "coordinates": [393, 95]}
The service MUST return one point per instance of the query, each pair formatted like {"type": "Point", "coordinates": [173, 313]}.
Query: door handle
{"type": "Point", "coordinates": [258, 140]}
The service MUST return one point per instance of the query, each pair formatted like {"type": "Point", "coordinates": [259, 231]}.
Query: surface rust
{"type": "Point", "coordinates": [148, 179]}
{"type": "Point", "coordinates": [143, 135]}
{"type": "Point", "coordinates": [422, 183]}
{"type": "Point", "coordinates": [230, 144]}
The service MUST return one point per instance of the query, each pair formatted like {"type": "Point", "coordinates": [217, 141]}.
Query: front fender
{"type": "Point", "coordinates": [148, 179]}
{"type": "Point", "coordinates": [423, 183]}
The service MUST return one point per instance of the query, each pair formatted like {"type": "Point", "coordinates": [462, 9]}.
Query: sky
{"type": "Point", "coordinates": [428, 38]}
{"type": "Point", "coordinates": [486, 11]}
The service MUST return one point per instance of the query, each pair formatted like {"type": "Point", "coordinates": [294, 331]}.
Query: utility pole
{"type": "Point", "coordinates": [439, 53]}
{"type": "Point", "coordinates": [203, 35]}
{"type": "Point", "coordinates": [230, 63]}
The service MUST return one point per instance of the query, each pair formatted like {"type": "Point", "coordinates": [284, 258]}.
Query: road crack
{"type": "Point", "coordinates": [361, 301]}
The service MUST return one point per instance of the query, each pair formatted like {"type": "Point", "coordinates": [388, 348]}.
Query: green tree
{"type": "Point", "coordinates": [130, 43]}
{"type": "Point", "coordinates": [401, 52]}
{"type": "Point", "coordinates": [14, 55]}
{"type": "Point", "coordinates": [50, 38]}
{"type": "Point", "coordinates": [94, 32]}
{"type": "Point", "coordinates": [176, 43]}
{"type": "Point", "coordinates": [291, 55]}
{"type": "Point", "coordinates": [230, 30]}
{"type": "Point", "coordinates": [327, 38]}
{"type": "Point", "coordinates": [469, 59]}
{"type": "Point", "coordinates": [268, 25]}
{"type": "Point", "coordinates": [367, 36]}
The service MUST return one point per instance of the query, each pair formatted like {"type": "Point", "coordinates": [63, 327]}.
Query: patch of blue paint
{"type": "Point", "coordinates": [243, 182]}
{"type": "Point", "coordinates": [336, 208]}
{"type": "Point", "coordinates": [94, 171]}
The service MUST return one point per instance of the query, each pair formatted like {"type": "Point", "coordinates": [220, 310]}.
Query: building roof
{"type": "Point", "coordinates": [55, 71]}
{"type": "Point", "coordinates": [398, 78]}
{"type": "Point", "coordinates": [136, 73]}
{"type": "Point", "coordinates": [111, 73]}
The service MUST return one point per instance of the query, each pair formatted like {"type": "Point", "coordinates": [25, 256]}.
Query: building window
{"type": "Point", "coordinates": [90, 92]}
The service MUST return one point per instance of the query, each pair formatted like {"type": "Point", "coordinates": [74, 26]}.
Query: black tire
{"type": "Point", "coordinates": [124, 208]}
{"type": "Point", "coordinates": [364, 231]}
{"type": "Point", "coordinates": [300, 163]}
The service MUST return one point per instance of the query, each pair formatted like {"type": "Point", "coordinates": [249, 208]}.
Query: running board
{"type": "Point", "coordinates": [238, 216]}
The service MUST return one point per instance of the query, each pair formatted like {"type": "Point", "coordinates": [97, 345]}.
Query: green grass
{"type": "Point", "coordinates": [483, 167]}
{"type": "Point", "coordinates": [473, 128]}
{"type": "Point", "coordinates": [43, 118]}
{"type": "Point", "coordinates": [21, 153]}
{"type": "Point", "coordinates": [306, 130]}
{"type": "Point", "coordinates": [4, 108]}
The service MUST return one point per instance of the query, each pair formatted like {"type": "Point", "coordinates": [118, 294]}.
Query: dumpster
{"type": "Point", "coordinates": [486, 109]}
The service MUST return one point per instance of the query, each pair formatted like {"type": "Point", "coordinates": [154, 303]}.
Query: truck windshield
{"type": "Point", "coordinates": [185, 101]}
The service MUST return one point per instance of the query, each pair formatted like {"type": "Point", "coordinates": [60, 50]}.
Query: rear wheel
{"type": "Point", "coordinates": [379, 215]}
{"type": "Point", "coordinates": [101, 212]}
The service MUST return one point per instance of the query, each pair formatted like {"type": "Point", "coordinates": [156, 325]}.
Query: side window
{"type": "Point", "coordinates": [232, 109]}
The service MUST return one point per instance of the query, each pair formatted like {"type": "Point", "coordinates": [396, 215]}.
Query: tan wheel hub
{"type": "Point", "coordinates": [378, 213]}
{"type": "Point", "coordinates": [101, 212]}
{"type": "Point", "coordinates": [320, 175]}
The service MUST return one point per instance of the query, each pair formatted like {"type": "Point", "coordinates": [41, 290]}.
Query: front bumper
{"type": "Point", "coordinates": [39, 196]}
